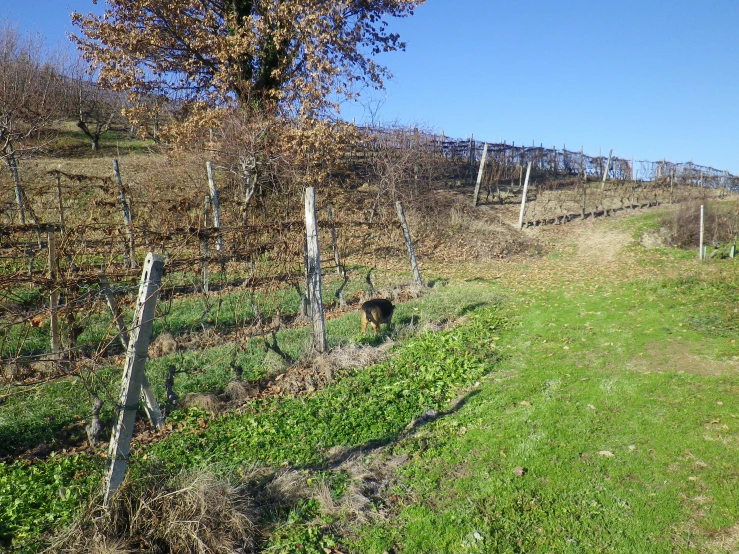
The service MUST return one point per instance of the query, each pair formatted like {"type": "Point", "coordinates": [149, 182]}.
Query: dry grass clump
{"type": "Point", "coordinates": [351, 356]}
{"type": "Point", "coordinates": [192, 512]}
{"type": "Point", "coordinates": [164, 345]}
{"type": "Point", "coordinates": [208, 402]}
{"type": "Point", "coordinates": [237, 391]}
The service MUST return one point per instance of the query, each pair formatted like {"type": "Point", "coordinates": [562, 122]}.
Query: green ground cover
{"type": "Point", "coordinates": [581, 403]}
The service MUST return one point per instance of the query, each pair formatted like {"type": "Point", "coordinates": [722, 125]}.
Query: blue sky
{"type": "Point", "coordinates": [650, 79]}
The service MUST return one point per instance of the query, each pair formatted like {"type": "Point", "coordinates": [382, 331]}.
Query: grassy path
{"type": "Point", "coordinates": [610, 424]}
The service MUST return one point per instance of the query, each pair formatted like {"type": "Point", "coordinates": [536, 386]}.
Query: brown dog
{"type": "Point", "coordinates": [376, 312]}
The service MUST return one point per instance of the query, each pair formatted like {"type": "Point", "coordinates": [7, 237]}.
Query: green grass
{"type": "Point", "coordinates": [598, 415]}
{"type": "Point", "coordinates": [377, 404]}
{"type": "Point", "coordinates": [583, 364]}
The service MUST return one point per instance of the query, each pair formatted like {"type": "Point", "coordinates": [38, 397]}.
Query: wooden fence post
{"type": "Point", "coordinates": [333, 240]}
{"type": "Point", "coordinates": [54, 295]}
{"type": "Point", "coordinates": [409, 243]}
{"type": "Point", "coordinates": [133, 373]}
{"type": "Point", "coordinates": [313, 271]}
{"type": "Point", "coordinates": [523, 196]}
{"type": "Point", "coordinates": [216, 209]}
{"type": "Point", "coordinates": [479, 175]}
{"type": "Point", "coordinates": [128, 254]}
{"type": "Point", "coordinates": [147, 394]}
{"type": "Point", "coordinates": [701, 255]}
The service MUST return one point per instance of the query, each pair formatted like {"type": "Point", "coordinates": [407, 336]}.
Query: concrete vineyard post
{"type": "Point", "coordinates": [409, 243]}
{"type": "Point", "coordinates": [607, 169]}
{"type": "Point", "coordinates": [204, 246]}
{"type": "Point", "coordinates": [133, 373]}
{"type": "Point", "coordinates": [523, 196]}
{"type": "Point", "coordinates": [313, 271]}
{"type": "Point", "coordinates": [128, 254]}
{"type": "Point", "coordinates": [479, 175]}
{"type": "Point", "coordinates": [147, 394]}
{"type": "Point", "coordinates": [333, 240]}
{"type": "Point", "coordinates": [701, 254]}
{"type": "Point", "coordinates": [216, 209]}
{"type": "Point", "coordinates": [59, 201]}
{"type": "Point", "coordinates": [54, 295]}
{"type": "Point", "coordinates": [19, 196]}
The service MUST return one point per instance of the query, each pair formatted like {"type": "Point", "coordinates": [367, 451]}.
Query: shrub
{"type": "Point", "coordinates": [720, 220]}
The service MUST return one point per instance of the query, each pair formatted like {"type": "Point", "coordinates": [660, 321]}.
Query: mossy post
{"type": "Point", "coordinates": [409, 244]}
{"type": "Point", "coordinates": [313, 271]}
{"type": "Point", "coordinates": [133, 373]}
{"type": "Point", "coordinates": [479, 175]}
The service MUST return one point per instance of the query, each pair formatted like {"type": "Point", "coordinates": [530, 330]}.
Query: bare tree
{"type": "Point", "coordinates": [95, 108]}
{"type": "Point", "coordinates": [30, 101]}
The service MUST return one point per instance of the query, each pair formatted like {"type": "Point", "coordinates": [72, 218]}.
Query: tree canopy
{"type": "Point", "coordinates": [297, 54]}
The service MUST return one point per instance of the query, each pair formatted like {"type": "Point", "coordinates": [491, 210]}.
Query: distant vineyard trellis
{"type": "Point", "coordinates": [565, 183]}
{"type": "Point", "coordinates": [88, 229]}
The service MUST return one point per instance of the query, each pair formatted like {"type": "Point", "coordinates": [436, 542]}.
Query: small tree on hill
{"type": "Point", "coordinates": [95, 109]}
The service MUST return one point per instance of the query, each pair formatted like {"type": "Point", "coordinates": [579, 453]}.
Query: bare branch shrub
{"type": "Point", "coordinates": [721, 224]}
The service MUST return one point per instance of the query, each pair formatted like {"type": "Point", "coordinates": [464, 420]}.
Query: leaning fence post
{"type": "Point", "coordinates": [216, 210]}
{"type": "Point", "coordinates": [133, 373]}
{"type": "Point", "coordinates": [54, 295]}
{"type": "Point", "coordinates": [409, 243]}
{"type": "Point", "coordinates": [313, 271]}
{"type": "Point", "coordinates": [479, 174]}
{"type": "Point", "coordinates": [701, 254]}
{"type": "Point", "coordinates": [128, 256]}
{"type": "Point", "coordinates": [147, 394]}
{"type": "Point", "coordinates": [523, 196]}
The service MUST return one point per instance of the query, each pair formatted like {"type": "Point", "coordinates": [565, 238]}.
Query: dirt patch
{"type": "Point", "coordinates": [601, 244]}
{"type": "Point", "coordinates": [676, 357]}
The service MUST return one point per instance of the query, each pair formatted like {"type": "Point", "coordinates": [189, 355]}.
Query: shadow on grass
{"type": "Point", "coordinates": [469, 308]}
{"type": "Point", "coordinates": [333, 462]}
